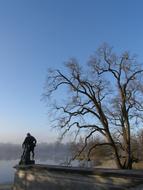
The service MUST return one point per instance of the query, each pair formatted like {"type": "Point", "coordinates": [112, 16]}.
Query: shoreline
{"type": "Point", "coordinates": [6, 186]}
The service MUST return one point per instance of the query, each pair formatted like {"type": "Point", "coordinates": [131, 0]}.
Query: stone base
{"type": "Point", "coordinates": [45, 177]}
{"type": "Point", "coordinates": [25, 162]}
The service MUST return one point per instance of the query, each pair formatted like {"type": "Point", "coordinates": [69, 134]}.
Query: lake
{"type": "Point", "coordinates": [7, 171]}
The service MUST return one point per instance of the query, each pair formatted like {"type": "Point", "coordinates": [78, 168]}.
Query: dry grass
{"type": "Point", "coordinates": [138, 165]}
{"type": "Point", "coordinates": [111, 164]}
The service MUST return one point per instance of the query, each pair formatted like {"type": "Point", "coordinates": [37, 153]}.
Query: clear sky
{"type": "Point", "coordinates": [39, 34]}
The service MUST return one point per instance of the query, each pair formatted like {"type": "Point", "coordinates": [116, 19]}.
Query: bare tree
{"type": "Point", "coordinates": [103, 97]}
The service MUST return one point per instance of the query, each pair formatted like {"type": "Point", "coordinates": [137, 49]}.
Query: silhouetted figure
{"type": "Point", "coordinates": [30, 143]}
{"type": "Point", "coordinates": [28, 146]}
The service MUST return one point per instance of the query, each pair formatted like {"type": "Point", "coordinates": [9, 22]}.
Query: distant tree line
{"type": "Point", "coordinates": [104, 153]}
{"type": "Point", "coordinates": [65, 152]}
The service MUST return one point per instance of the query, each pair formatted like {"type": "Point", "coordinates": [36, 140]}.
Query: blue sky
{"type": "Point", "coordinates": [39, 34]}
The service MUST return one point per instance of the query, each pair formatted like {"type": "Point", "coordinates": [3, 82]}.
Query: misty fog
{"type": "Point", "coordinates": [43, 151]}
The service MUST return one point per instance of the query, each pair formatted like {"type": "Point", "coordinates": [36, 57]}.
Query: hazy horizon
{"type": "Point", "coordinates": [43, 151]}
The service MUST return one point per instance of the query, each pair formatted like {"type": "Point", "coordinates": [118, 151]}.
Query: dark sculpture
{"type": "Point", "coordinates": [28, 146]}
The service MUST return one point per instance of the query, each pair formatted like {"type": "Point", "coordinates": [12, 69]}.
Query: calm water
{"type": "Point", "coordinates": [7, 170]}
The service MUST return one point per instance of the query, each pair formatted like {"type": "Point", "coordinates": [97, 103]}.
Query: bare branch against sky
{"type": "Point", "coordinates": [36, 35]}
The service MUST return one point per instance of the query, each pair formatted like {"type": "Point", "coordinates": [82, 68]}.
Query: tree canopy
{"type": "Point", "coordinates": [102, 97]}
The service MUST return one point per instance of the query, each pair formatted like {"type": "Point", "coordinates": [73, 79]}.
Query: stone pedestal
{"type": "Point", "coordinates": [25, 158]}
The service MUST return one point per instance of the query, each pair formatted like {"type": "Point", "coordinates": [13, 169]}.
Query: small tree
{"type": "Point", "coordinates": [104, 97]}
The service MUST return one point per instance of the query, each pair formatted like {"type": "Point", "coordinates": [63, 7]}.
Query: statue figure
{"type": "Point", "coordinates": [28, 148]}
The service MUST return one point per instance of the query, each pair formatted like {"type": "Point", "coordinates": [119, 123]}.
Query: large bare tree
{"type": "Point", "coordinates": [102, 97]}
